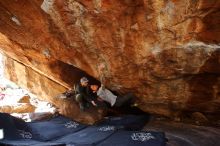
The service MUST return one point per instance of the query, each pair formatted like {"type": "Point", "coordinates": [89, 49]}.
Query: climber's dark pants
{"type": "Point", "coordinates": [124, 100]}
{"type": "Point", "coordinates": [81, 100]}
{"type": "Point", "coordinates": [102, 104]}
{"type": "Point", "coordinates": [83, 103]}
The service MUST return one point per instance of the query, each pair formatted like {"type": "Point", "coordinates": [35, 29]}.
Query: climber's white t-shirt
{"type": "Point", "coordinates": [106, 95]}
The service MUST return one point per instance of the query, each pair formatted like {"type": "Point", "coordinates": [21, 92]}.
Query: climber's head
{"type": "Point", "coordinates": [94, 88]}
{"type": "Point", "coordinates": [84, 81]}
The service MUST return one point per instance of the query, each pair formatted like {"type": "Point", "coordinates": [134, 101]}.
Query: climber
{"type": "Point", "coordinates": [83, 94]}
{"type": "Point", "coordinates": [107, 96]}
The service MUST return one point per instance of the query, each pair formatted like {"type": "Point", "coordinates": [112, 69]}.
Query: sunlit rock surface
{"type": "Point", "coordinates": [166, 52]}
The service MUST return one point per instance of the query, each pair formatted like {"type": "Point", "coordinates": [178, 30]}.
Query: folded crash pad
{"type": "Point", "coordinates": [12, 127]}
{"type": "Point", "coordinates": [17, 132]}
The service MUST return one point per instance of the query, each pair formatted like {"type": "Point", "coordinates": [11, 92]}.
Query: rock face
{"type": "Point", "coordinates": [165, 51]}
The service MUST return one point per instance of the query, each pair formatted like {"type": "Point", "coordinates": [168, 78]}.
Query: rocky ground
{"type": "Point", "coordinates": [180, 134]}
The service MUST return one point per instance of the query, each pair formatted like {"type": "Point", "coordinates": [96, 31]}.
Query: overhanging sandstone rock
{"type": "Point", "coordinates": [166, 52]}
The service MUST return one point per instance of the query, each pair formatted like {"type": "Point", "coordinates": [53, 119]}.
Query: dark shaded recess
{"type": "Point", "coordinates": [125, 110]}
{"type": "Point", "coordinates": [70, 74]}
{"type": "Point", "coordinates": [212, 65]}
{"type": "Point", "coordinates": [201, 88]}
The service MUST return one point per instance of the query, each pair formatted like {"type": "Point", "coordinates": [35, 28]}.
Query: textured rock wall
{"type": "Point", "coordinates": [165, 51]}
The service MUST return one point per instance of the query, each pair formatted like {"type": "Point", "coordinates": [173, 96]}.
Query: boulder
{"type": "Point", "coordinates": [199, 118]}
{"type": "Point", "coordinates": [17, 108]}
{"type": "Point", "coordinates": [24, 99]}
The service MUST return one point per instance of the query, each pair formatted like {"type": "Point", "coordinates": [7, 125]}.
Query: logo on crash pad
{"type": "Point", "coordinates": [107, 128]}
{"type": "Point", "coordinates": [71, 125]}
{"type": "Point", "coordinates": [142, 136]}
{"type": "Point", "coordinates": [24, 134]}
